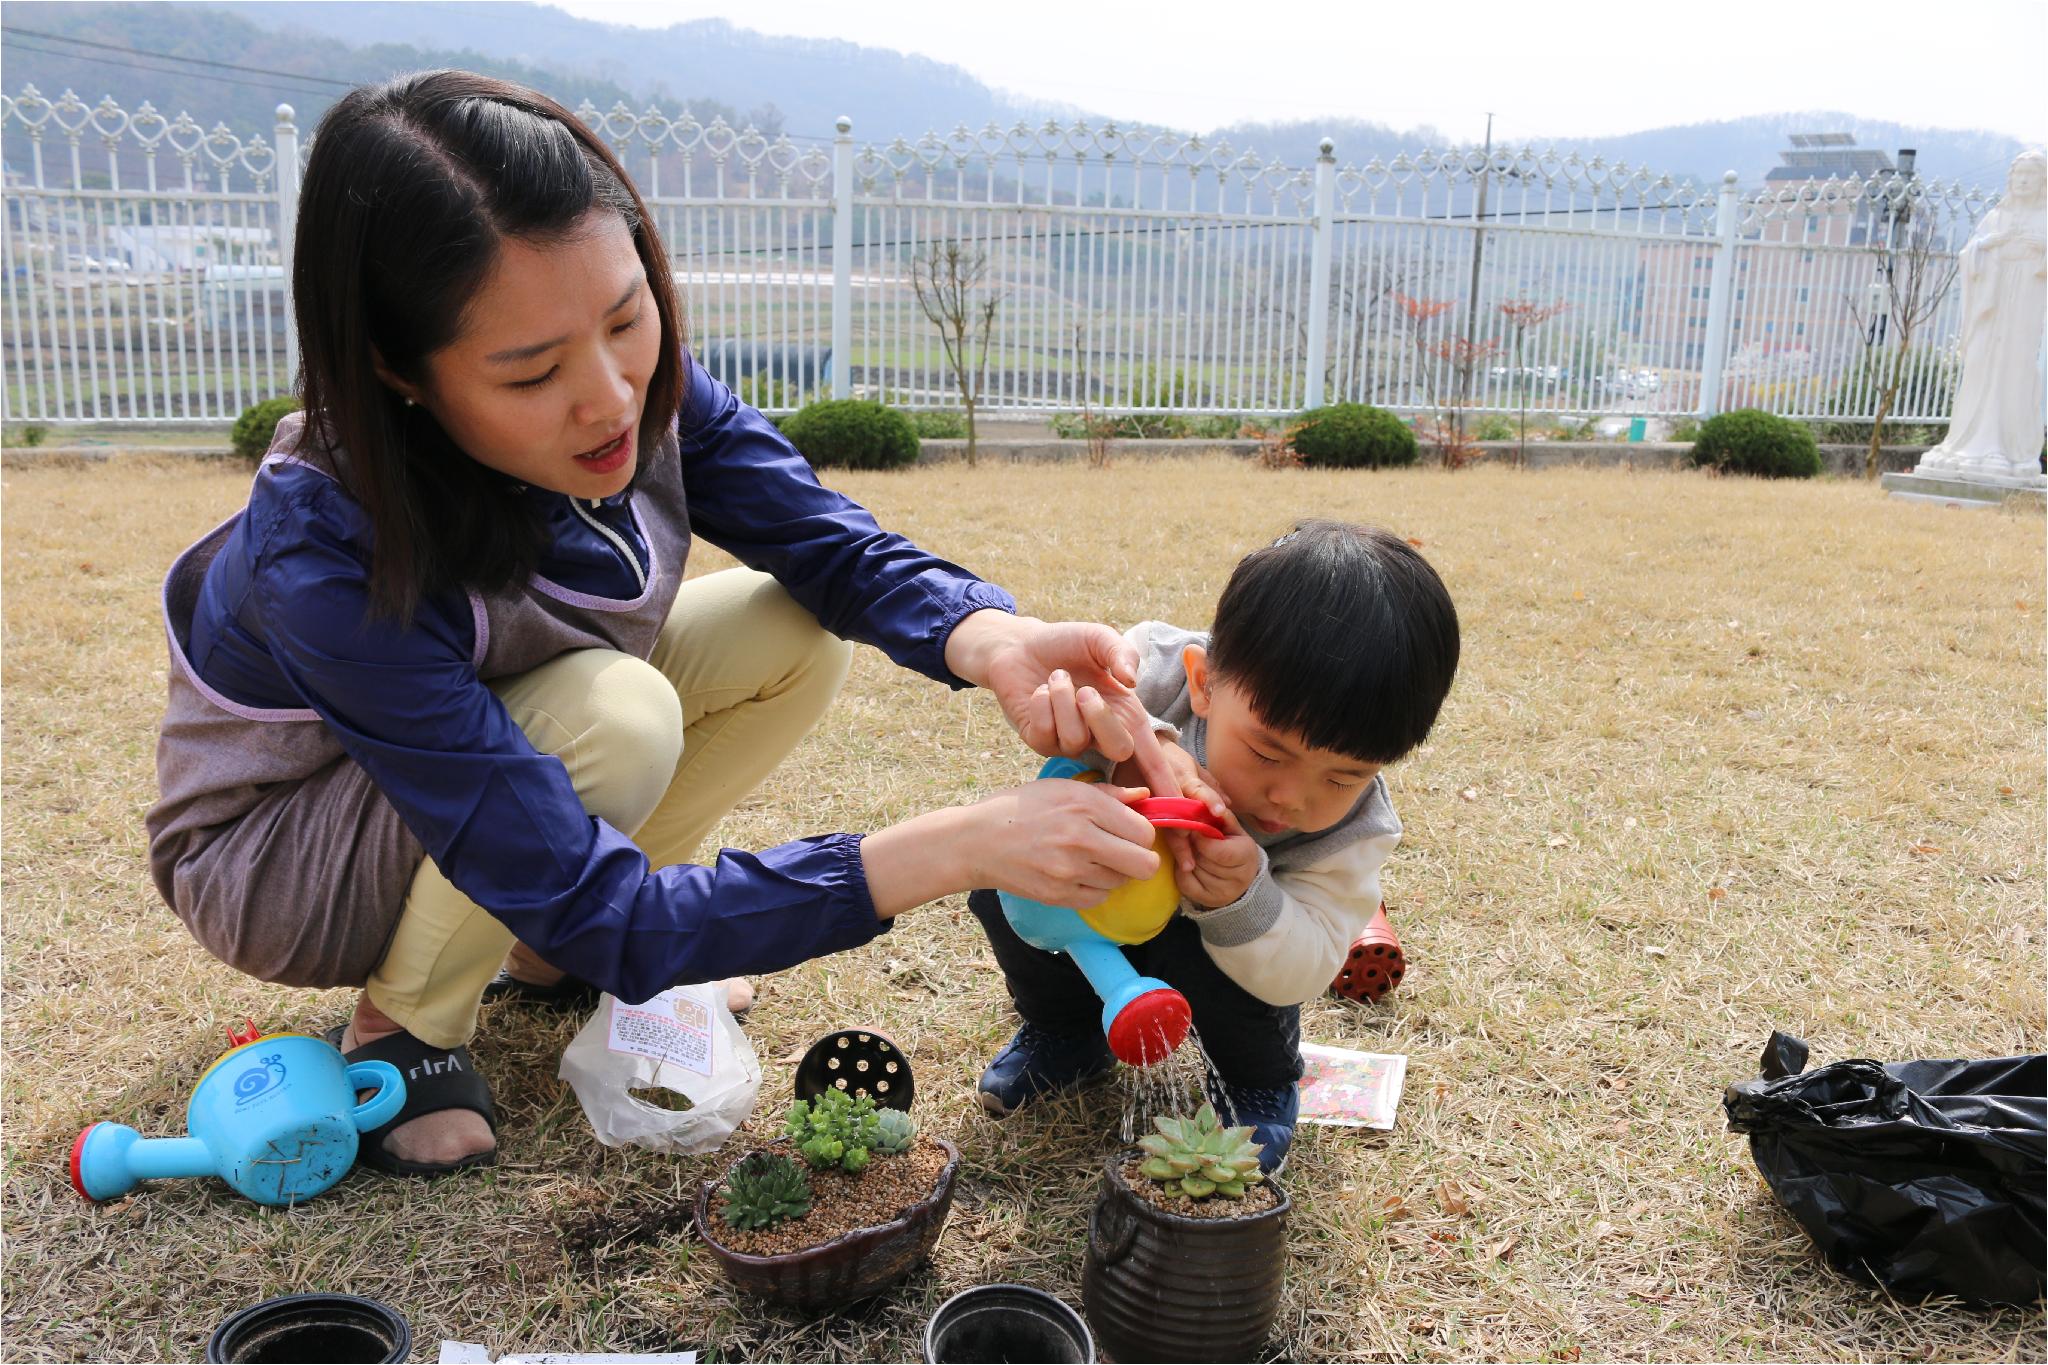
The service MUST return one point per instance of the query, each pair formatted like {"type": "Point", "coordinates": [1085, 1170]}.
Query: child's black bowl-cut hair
{"type": "Point", "coordinates": [1341, 634]}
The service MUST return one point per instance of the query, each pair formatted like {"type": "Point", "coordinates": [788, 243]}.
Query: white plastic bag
{"type": "Point", "coordinates": [684, 1040]}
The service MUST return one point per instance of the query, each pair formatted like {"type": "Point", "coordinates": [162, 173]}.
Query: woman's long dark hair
{"type": "Point", "coordinates": [412, 186]}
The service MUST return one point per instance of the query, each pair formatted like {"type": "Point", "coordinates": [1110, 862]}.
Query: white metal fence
{"type": "Point", "coordinates": [145, 278]}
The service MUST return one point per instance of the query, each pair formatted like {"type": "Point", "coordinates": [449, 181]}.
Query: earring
{"type": "Point", "coordinates": [409, 403]}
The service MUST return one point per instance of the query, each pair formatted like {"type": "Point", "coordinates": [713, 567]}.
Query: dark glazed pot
{"type": "Point", "coordinates": [300, 1327]}
{"type": "Point", "coordinates": [1160, 1286]}
{"type": "Point", "coordinates": [853, 1266]}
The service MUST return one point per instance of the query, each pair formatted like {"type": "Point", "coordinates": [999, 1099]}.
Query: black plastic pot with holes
{"type": "Point", "coordinates": [860, 1061]}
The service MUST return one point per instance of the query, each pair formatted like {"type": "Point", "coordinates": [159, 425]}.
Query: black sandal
{"type": "Point", "coordinates": [436, 1079]}
{"type": "Point", "coordinates": [570, 993]}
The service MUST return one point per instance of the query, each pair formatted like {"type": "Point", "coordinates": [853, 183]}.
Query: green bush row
{"type": "Point", "coordinates": [855, 433]}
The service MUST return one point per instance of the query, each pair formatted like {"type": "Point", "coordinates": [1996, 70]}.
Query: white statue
{"type": "Point", "coordinates": [1996, 425]}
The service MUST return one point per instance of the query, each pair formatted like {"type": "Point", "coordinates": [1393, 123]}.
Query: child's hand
{"type": "Point", "coordinates": [1194, 781]}
{"type": "Point", "coordinates": [1219, 871]}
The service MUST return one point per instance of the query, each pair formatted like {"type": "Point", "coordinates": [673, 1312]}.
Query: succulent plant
{"type": "Point", "coordinates": [896, 1130]}
{"type": "Point", "coordinates": [764, 1189]}
{"type": "Point", "coordinates": [1200, 1157]}
{"type": "Point", "coordinates": [835, 1129]}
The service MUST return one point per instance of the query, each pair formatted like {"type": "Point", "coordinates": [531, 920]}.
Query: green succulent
{"type": "Point", "coordinates": [835, 1129]}
{"type": "Point", "coordinates": [764, 1189]}
{"type": "Point", "coordinates": [1200, 1157]}
{"type": "Point", "coordinates": [896, 1131]}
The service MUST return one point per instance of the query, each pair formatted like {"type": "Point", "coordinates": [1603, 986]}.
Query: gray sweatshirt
{"type": "Point", "coordinates": [1284, 939]}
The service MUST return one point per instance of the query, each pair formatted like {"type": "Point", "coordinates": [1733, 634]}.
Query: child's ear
{"type": "Point", "coordinates": [1195, 661]}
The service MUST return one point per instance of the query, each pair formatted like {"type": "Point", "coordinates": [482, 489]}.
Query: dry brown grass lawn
{"type": "Point", "coordinates": [1724, 756]}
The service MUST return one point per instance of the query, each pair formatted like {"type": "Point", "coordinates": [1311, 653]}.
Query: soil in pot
{"type": "Point", "coordinates": [841, 1203]}
{"type": "Point", "coordinates": [1257, 1199]}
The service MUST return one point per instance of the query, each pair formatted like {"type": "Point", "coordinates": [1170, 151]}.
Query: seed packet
{"type": "Point", "coordinates": [1347, 1089]}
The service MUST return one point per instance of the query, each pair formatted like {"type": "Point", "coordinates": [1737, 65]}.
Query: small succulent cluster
{"type": "Point", "coordinates": [843, 1130]}
{"type": "Point", "coordinates": [896, 1130]}
{"type": "Point", "coordinates": [1200, 1157]}
{"type": "Point", "coordinates": [764, 1189]}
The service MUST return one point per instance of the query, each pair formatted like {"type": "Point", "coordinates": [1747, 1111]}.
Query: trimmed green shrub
{"type": "Point", "coordinates": [1353, 436]}
{"type": "Point", "coordinates": [1751, 441]}
{"type": "Point", "coordinates": [938, 424]}
{"type": "Point", "coordinates": [258, 424]}
{"type": "Point", "coordinates": [852, 433]}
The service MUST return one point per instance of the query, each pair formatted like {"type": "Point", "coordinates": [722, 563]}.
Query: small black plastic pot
{"type": "Point", "coordinates": [995, 1323]}
{"type": "Point", "coordinates": [306, 1327]}
{"type": "Point", "coordinates": [860, 1061]}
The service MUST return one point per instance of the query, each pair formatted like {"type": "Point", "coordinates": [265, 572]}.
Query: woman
{"type": "Point", "coordinates": [435, 681]}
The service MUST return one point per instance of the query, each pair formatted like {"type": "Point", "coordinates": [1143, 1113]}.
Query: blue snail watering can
{"type": "Point", "coordinates": [276, 1118]}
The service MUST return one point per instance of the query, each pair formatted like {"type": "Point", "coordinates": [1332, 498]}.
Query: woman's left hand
{"type": "Point", "coordinates": [1065, 687]}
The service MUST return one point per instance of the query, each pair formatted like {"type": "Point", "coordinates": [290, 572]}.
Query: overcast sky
{"type": "Point", "coordinates": [1545, 70]}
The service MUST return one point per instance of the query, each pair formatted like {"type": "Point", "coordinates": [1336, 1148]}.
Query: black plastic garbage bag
{"type": "Point", "coordinates": [1924, 1177]}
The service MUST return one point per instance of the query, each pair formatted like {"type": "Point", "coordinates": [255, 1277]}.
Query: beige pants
{"type": "Point", "coordinates": [661, 750]}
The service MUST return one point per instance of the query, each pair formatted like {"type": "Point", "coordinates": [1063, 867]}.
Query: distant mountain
{"type": "Point", "coordinates": [796, 85]}
{"type": "Point", "coordinates": [810, 81]}
{"type": "Point", "coordinates": [266, 67]}
{"type": "Point", "coordinates": [1701, 151]}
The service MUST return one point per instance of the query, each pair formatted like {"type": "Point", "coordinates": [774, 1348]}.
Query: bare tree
{"type": "Point", "coordinates": [1523, 314]}
{"type": "Point", "coordinates": [948, 279]}
{"type": "Point", "coordinates": [1915, 270]}
{"type": "Point", "coordinates": [1097, 429]}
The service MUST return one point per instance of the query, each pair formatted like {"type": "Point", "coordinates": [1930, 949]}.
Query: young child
{"type": "Point", "coordinates": [1331, 653]}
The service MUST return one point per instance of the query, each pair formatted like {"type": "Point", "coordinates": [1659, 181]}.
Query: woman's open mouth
{"type": "Point", "coordinates": [608, 456]}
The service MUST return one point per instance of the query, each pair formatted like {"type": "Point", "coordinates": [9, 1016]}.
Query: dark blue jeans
{"type": "Point", "coordinates": [1250, 1043]}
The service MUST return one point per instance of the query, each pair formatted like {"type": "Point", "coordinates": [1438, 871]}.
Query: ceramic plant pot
{"type": "Point", "coordinates": [854, 1265]}
{"type": "Point", "coordinates": [1163, 1286]}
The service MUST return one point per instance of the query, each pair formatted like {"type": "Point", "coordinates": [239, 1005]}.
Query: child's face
{"type": "Point", "coordinates": [1273, 779]}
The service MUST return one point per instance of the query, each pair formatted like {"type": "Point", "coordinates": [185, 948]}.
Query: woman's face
{"type": "Point", "coordinates": [546, 381]}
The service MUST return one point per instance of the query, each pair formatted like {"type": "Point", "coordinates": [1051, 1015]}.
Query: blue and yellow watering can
{"type": "Point", "coordinates": [1143, 1018]}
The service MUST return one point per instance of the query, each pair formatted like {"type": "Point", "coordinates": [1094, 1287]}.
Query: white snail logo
{"type": "Point", "coordinates": [260, 1079]}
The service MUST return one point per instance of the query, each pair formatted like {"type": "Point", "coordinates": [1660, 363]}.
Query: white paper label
{"type": "Point", "coordinates": [674, 1026]}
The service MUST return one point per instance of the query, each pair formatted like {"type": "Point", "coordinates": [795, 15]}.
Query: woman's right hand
{"type": "Point", "coordinates": [1055, 842]}
{"type": "Point", "coordinates": [1062, 843]}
